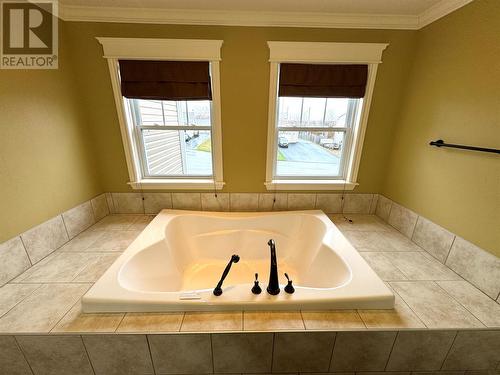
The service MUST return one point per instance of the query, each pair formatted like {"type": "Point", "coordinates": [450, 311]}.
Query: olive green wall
{"type": "Point", "coordinates": [244, 84]}
{"type": "Point", "coordinates": [453, 94]}
{"type": "Point", "coordinates": [60, 141]}
{"type": "Point", "coordinates": [46, 163]}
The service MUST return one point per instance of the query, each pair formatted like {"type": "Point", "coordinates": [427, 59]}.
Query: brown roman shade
{"type": "Point", "coordinates": [324, 81]}
{"type": "Point", "coordinates": [165, 80]}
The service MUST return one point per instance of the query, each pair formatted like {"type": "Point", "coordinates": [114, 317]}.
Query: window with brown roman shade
{"type": "Point", "coordinates": [165, 80]}
{"type": "Point", "coordinates": [323, 81]}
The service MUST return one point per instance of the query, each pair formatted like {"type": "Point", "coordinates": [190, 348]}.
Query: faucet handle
{"type": "Point", "coordinates": [289, 287]}
{"type": "Point", "coordinates": [256, 288]}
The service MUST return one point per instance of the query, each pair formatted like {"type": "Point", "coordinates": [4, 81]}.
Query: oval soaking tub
{"type": "Point", "coordinates": [176, 262]}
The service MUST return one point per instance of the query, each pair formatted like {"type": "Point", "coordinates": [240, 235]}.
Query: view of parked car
{"type": "Point", "coordinates": [283, 142]}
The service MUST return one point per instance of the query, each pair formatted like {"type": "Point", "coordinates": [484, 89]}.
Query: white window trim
{"type": "Point", "coordinates": [321, 53]}
{"type": "Point", "coordinates": [165, 49]}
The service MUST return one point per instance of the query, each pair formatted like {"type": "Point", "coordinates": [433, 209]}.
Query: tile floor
{"type": "Point", "coordinates": [428, 294]}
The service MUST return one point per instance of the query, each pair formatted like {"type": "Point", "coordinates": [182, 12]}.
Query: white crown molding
{"type": "Point", "coordinates": [439, 10]}
{"type": "Point", "coordinates": [260, 19]}
{"type": "Point", "coordinates": [237, 18]}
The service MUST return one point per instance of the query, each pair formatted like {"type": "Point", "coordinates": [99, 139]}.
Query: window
{"type": "Point", "coordinates": [167, 95]}
{"type": "Point", "coordinates": [313, 136]}
{"type": "Point", "coordinates": [175, 137]}
{"type": "Point", "coordinates": [319, 101]}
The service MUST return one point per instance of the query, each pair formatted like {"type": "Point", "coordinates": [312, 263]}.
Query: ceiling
{"type": "Point", "coordinates": [392, 14]}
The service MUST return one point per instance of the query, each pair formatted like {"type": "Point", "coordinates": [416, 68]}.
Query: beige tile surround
{"type": "Point", "coordinates": [133, 203]}
{"type": "Point", "coordinates": [401, 262]}
{"type": "Point", "coordinates": [22, 252]}
{"type": "Point", "coordinates": [412, 272]}
{"type": "Point", "coordinates": [369, 353]}
{"type": "Point", "coordinates": [348, 341]}
{"type": "Point", "coordinates": [428, 294]}
{"type": "Point", "coordinates": [477, 266]}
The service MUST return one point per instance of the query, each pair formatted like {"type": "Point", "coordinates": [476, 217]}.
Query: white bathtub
{"type": "Point", "coordinates": [178, 259]}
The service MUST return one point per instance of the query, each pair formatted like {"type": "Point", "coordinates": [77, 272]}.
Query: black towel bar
{"type": "Point", "coordinates": [441, 143]}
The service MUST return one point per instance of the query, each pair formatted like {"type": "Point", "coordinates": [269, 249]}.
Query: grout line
{"type": "Point", "coordinates": [64, 315]}
{"type": "Point", "coordinates": [272, 352]}
{"type": "Point", "coordinates": [22, 353]}
{"type": "Point", "coordinates": [449, 350]}
{"type": "Point", "coordinates": [150, 354]}
{"type": "Point", "coordinates": [414, 229]}
{"type": "Point", "coordinates": [114, 203]}
{"type": "Point", "coordinates": [390, 210]}
{"type": "Point", "coordinates": [458, 301]}
{"type": "Point", "coordinates": [182, 321]}
{"type": "Point", "coordinates": [65, 228]}
{"type": "Point", "coordinates": [302, 320]}
{"type": "Point", "coordinates": [88, 356]}
{"type": "Point", "coordinates": [390, 352]}
{"type": "Point", "coordinates": [93, 214]}
{"type": "Point", "coordinates": [120, 323]}
{"type": "Point", "coordinates": [86, 352]}
{"type": "Point", "coordinates": [71, 307]}
{"type": "Point", "coordinates": [110, 209]}
{"type": "Point", "coordinates": [331, 354]}
{"type": "Point", "coordinates": [21, 300]}
{"type": "Point", "coordinates": [406, 303]}
{"type": "Point", "coordinates": [408, 278]}
{"type": "Point", "coordinates": [143, 201]}
{"type": "Point", "coordinates": [26, 251]}
{"type": "Point", "coordinates": [212, 352]}
{"type": "Point", "coordinates": [449, 250]}
{"type": "Point", "coordinates": [361, 318]}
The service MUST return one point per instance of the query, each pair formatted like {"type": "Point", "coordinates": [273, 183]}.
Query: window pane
{"type": "Point", "coordinates": [305, 153]}
{"type": "Point", "coordinates": [178, 152]}
{"type": "Point", "coordinates": [336, 112]}
{"type": "Point", "coordinates": [314, 112]}
{"type": "Point", "coordinates": [199, 112]}
{"type": "Point", "coordinates": [150, 112]}
{"type": "Point", "coordinates": [198, 152]}
{"type": "Point", "coordinates": [169, 112]}
{"type": "Point", "coordinates": [289, 111]}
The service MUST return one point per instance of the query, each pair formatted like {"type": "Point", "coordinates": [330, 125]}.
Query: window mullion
{"type": "Point", "coordinates": [324, 111]}
{"type": "Point", "coordinates": [163, 112]}
{"type": "Point", "coordinates": [301, 110]}
{"type": "Point", "coordinates": [313, 129]}
{"type": "Point", "coordinates": [173, 127]}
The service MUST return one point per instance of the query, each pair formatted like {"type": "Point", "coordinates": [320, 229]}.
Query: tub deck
{"type": "Point", "coordinates": [177, 260]}
{"type": "Point", "coordinates": [428, 294]}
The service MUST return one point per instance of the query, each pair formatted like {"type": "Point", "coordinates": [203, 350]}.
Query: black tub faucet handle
{"type": "Point", "coordinates": [289, 287]}
{"type": "Point", "coordinates": [218, 289]}
{"type": "Point", "coordinates": [256, 288]}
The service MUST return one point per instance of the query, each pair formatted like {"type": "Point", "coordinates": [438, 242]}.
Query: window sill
{"type": "Point", "coordinates": [177, 184]}
{"type": "Point", "coordinates": [310, 185]}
